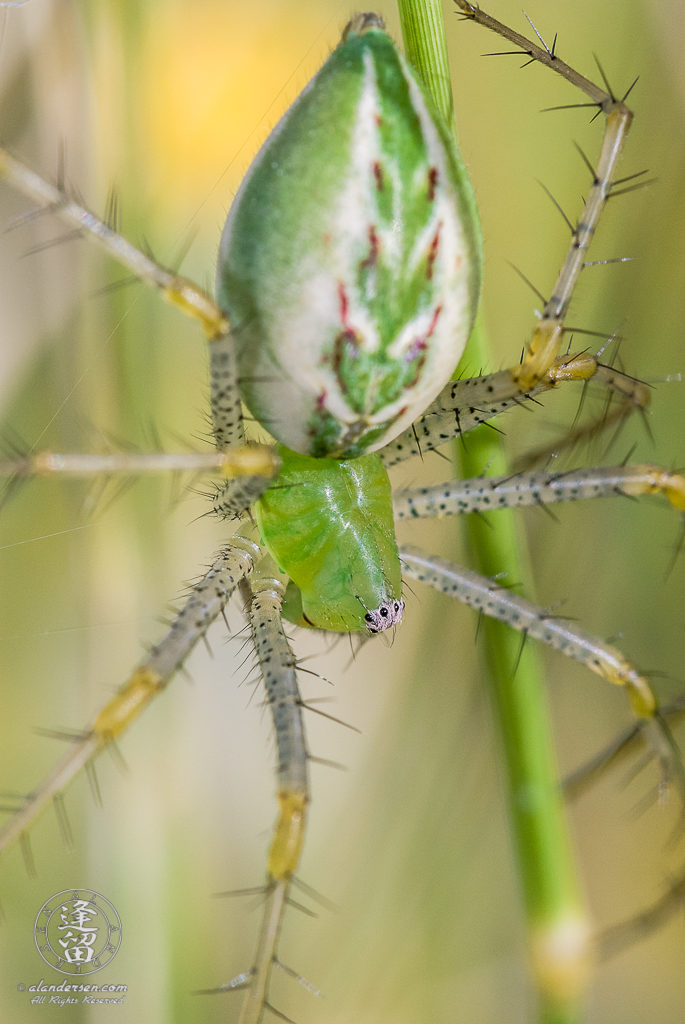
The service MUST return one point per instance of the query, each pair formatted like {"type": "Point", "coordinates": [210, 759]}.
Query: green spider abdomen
{"type": "Point", "coordinates": [350, 261]}
{"type": "Point", "coordinates": [329, 526]}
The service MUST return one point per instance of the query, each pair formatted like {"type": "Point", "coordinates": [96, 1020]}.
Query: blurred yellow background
{"type": "Point", "coordinates": [167, 102]}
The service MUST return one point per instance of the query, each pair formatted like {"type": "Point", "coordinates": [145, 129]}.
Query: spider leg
{"type": "Point", "coordinates": [179, 291]}
{"type": "Point", "coordinates": [206, 601]}
{"type": "Point", "coordinates": [247, 469]}
{"type": "Point", "coordinates": [243, 460]}
{"type": "Point", "coordinates": [243, 487]}
{"type": "Point", "coordinates": [239, 491]}
{"type": "Point", "coordinates": [485, 494]}
{"type": "Point", "coordinates": [481, 593]}
{"type": "Point", "coordinates": [279, 671]}
{"type": "Point", "coordinates": [547, 337]}
{"type": "Point", "coordinates": [614, 939]}
{"type": "Point", "coordinates": [620, 748]}
{"type": "Point", "coordinates": [465, 404]}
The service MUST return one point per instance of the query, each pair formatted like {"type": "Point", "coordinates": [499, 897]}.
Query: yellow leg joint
{"type": "Point", "coordinates": [250, 460]}
{"type": "Point", "coordinates": [543, 350]}
{"type": "Point", "coordinates": [673, 486]}
{"type": "Point", "coordinates": [658, 481]}
{"type": "Point", "coordinates": [641, 696]}
{"type": "Point", "coordinates": [127, 704]}
{"type": "Point", "coordinates": [195, 302]}
{"type": "Point", "coordinates": [622, 673]}
{"type": "Point", "coordinates": [580, 367]}
{"type": "Point", "coordinates": [286, 846]}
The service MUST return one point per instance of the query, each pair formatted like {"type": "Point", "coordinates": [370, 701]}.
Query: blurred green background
{"type": "Point", "coordinates": [168, 102]}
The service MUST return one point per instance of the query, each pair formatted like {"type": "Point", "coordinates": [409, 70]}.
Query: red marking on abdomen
{"type": "Point", "coordinates": [432, 182]}
{"type": "Point", "coordinates": [434, 321]}
{"type": "Point", "coordinates": [374, 246]}
{"type": "Point", "coordinates": [344, 304]}
{"type": "Point", "coordinates": [417, 353]}
{"type": "Point", "coordinates": [433, 254]}
{"type": "Point", "coordinates": [378, 175]}
{"type": "Point", "coordinates": [321, 410]}
{"type": "Point", "coordinates": [345, 349]}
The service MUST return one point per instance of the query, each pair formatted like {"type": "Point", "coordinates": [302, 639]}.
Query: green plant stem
{"type": "Point", "coordinates": [423, 34]}
{"type": "Point", "coordinates": [545, 860]}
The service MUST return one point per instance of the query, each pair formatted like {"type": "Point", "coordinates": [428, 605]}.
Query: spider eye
{"type": "Point", "coordinates": [368, 618]}
{"type": "Point", "coordinates": [384, 612]}
{"type": "Point", "coordinates": [397, 607]}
